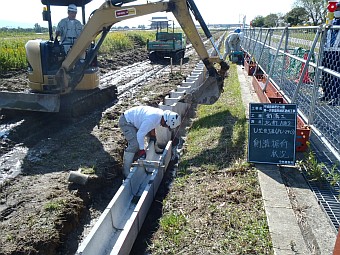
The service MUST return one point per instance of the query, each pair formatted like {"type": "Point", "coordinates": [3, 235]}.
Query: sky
{"type": "Point", "coordinates": [25, 13]}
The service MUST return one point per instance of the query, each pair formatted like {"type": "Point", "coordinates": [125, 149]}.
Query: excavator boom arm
{"type": "Point", "coordinates": [111, 13]}
{"type": "Point", "coordinates": [104, 17]}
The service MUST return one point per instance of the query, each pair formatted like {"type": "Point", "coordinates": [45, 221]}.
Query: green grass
{"type": "Point", "coordinates": [54, 205]}
{"type": "Point", "coordinates": [215, 204]}
{"type": "Point", "coordinates": [121, 41]}
{"type": "Point", "coordinates": [173, 225]}
{"type": "Point", "coordinates": [13, 54]}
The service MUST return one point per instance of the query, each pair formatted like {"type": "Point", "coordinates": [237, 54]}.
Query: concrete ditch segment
{"type": "Point", "coordinates": [118, 226]}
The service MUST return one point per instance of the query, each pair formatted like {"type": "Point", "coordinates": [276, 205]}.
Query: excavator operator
{"type": "Point", "coordinates": [68, 28]}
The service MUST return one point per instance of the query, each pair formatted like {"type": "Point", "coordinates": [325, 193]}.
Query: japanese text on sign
{"type": "Point", "coordinates": [272, 133]}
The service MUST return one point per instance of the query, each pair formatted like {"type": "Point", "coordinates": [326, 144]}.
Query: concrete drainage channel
{"type": "Point", "coordinates": [118, 226]}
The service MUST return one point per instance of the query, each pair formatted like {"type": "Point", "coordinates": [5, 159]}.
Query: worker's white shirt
{"type": "Point", "coordinates": [144, 118]}
{"type": "Point", "coordinates": [231, 43]}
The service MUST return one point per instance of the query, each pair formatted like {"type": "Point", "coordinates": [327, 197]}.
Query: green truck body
{"type": "Point", "coordinates": [167, 44]}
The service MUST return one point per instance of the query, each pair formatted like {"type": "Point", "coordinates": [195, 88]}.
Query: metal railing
{"type": "Point", "coordinates": [304, 66]}
{"type": "Point", "coordinates": [307, 74]}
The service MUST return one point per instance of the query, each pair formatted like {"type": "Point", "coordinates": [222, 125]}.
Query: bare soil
{"type": "Point", "coordinates": [40, 211]}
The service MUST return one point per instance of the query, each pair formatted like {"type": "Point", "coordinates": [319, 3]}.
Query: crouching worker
{"type": "Point", "coordinates": [232, 47]}
{"type": "Point", "coordinates": [138, 122]}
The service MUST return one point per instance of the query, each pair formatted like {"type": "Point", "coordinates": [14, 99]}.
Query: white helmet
{"type": "Point", "coordinates": [172, 119]}
{"type": "Point", "coordinates": [72, 8]}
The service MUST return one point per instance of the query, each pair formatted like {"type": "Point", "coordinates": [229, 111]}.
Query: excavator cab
{"type": "Point", "coordinates": [46, 57]}
{"type": "Point", "coordinates": [47, 10]}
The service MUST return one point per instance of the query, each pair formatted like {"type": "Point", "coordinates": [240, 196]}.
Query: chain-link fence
{"type": "Point", "coordinates": [307, 74]}
{"type": "Point", "coordinates": [303, 63]}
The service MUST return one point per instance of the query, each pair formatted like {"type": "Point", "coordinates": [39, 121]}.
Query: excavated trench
{"type": "Point", "coordinates": [39, 206]}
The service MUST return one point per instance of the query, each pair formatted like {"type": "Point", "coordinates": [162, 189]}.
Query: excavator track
{"type": "Point", "coordinates": [79, 103]}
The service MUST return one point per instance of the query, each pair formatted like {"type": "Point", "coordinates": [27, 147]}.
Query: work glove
{"type": "Point", "coordinates": [141, 154]}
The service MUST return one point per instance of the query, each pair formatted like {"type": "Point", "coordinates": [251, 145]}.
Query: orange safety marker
{"type": "Point", "coordinates": [336, 250]}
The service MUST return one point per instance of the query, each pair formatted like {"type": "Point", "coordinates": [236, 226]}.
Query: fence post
{"type": "Point", "coordinates": [317, 75]}
{"type": "Point", "coordinates": [304, 70]}
{"type": "Point", "coordinates": [284, 55]}
{"type": "Point", "coordinates": [252, 54]}
{"type": "Point", "coordinates": [276, 54]}
{"type": "Point", "coordinates": [249, 41]}
{"type": "Point", "coordinates": [262, 49]}
{"type": "Point", "coordinates": [270, 37]}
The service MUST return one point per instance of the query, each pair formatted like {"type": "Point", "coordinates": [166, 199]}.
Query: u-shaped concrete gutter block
{"type": "Point", "coordinates": [183, 89]}
{"type": "Point", "coordinates": [176, 94]}
{"type": "Point", "coordinates": [199, 75]}
{"type": "Point", "coordinates": [171, 100]}
{"type": "Point", "coordinates": [193, 77]}
{"type": "Point", "coordinates": [174, 105]}
{"type": "Point", "coordinates": [118, 226]}
{"type": "Point", "coordinates": [120, 223]}
{"type": "Point", "coordinates": [191, 84]}
{"type": "Point", "coordinates": [178, 107]}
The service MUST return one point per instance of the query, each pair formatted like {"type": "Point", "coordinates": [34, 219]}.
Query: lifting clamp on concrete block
{"type": "Point", "coordinates": [148, 165]}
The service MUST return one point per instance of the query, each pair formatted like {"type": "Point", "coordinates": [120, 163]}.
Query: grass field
{"type": "Point", "coordinates": [215, 204]}
{"type": "Point", "coordinates": [13, 54]}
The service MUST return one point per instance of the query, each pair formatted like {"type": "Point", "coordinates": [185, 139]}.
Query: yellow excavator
{"type": "Point", "coordinates": [57, 80]}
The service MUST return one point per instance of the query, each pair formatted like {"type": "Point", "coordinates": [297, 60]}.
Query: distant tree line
{"type": "Point", "coordinates": [36, 29]}
{"type": "Point", "coordinates": [305, 12]}
{"type": "Point", "coordinates": [39, 29]}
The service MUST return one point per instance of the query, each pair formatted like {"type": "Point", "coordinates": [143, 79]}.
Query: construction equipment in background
{"type": "Point", "coordinates": [167, 44]}
{"type": "Point", "coordinates": [237, 57]}
{"type": "Point", "coordinates": [64, 82]}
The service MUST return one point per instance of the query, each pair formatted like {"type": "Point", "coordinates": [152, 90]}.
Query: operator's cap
{"type": "Point", "coordinates": [72, 8]}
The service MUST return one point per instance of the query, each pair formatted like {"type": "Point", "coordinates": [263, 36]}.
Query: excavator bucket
{"type": "Point", "coordinates": [30, 101]}
{"type": "Point", "coordinates": [207, 93]}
